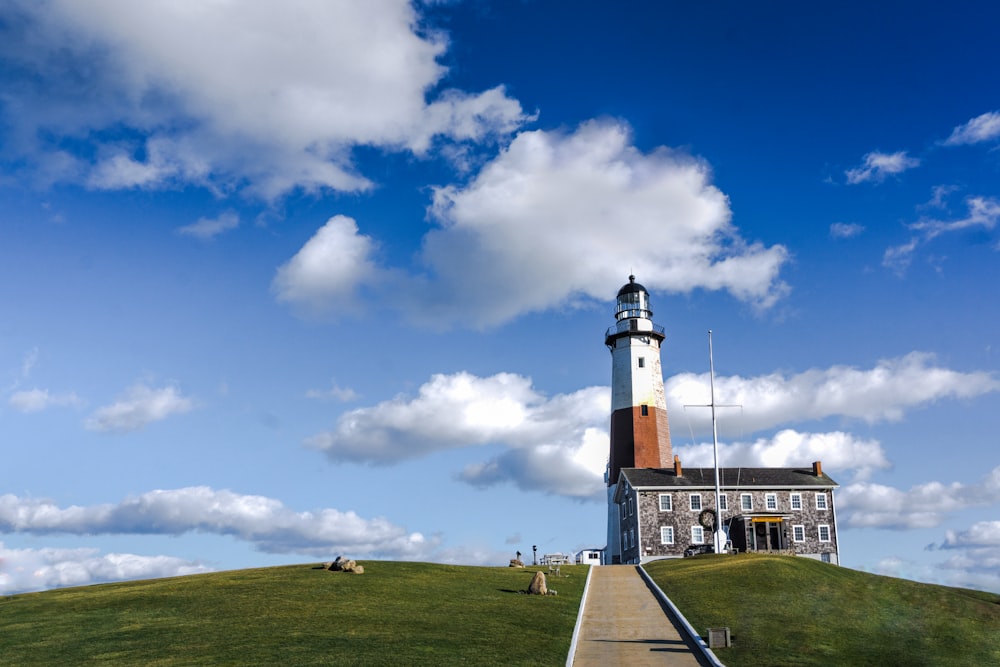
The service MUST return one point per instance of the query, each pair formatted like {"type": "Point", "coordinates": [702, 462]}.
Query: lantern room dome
{"type": "Point", "coordinates": [632, 286]}
{"type": "Point", "coordinates": [632, 302]}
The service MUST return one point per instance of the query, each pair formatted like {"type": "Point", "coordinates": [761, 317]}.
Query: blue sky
{"type": "Point", "coordinates": [283, 283]}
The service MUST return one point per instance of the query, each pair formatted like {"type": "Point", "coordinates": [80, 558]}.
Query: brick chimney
{"type": "Point", "coordinates": [818, 468]}
{"type": "Point", "coordinates": [677, 466]}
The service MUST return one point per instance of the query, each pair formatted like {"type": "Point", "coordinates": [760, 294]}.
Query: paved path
{"type": "Point", "coordinates": [624, 624]}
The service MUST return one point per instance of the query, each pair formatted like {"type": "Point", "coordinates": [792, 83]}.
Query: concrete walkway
{"type": "Point", "coordinates": [624, 624]}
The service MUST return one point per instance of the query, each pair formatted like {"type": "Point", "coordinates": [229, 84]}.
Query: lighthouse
{"type": "Point", "coordinates": [640, 435]}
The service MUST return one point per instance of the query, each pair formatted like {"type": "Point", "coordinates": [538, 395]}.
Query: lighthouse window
{"type": "Point", "coordinates": [644, 410]}
{"type": "Point", "coordinates": [642, 362]}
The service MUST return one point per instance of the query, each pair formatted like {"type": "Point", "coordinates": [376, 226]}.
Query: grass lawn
{"type": "Point", "coordinates": [395, 613]}
{"type": "Point", "coordinates": [797, 611]}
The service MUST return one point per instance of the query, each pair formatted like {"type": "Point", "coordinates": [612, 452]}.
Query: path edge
{"type": "Point", "coordinates": [579, 619]}
{"type": "Point", "coordinates": [692, 635]}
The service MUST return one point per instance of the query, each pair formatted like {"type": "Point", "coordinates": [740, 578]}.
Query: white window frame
{"type": "Point", "coordinates": [820, 529]}
{"type": "Point", "coordinates": [795, 501]}
{"type": "Point", "coordinates": [691, 501]}
{"type": "Point", "coordinates": [670, 502]}
{"type": "Point", "coordinates": [821, 502]}
{"type": "Point", "coordinates": [746, 506]}
{"type": "Point", "coordinates": [771, 502]}
{"type": "Point", "coordinates": [798, 533]}
{"type": "Point", "coordinates": [723, 502]}
{"type": "Point", "coordinates": [666, 534]}
{"type": "Point", "coordinates": [697, 535]}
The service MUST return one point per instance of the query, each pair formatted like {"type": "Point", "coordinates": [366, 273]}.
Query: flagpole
{"type": "Point", "coordinates": [718, 532]}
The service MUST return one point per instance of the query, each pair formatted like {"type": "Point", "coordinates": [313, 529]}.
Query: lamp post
{"type": "Point", "coordinates": [534, 554]}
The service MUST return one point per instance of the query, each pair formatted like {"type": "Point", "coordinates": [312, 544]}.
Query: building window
{"type": "Point", "coordinates": [821, 501]}
{"type": "Point", "coordinates": [824, 533]}
{"type": "Point", "coordinates": [697, 535]}
{"type": "Point", "coordinates": [796, 501]}
{"type": "Point", "coordinates": [644, 410]}
{"type": "Point", "coordinates": [642, 362]}
{"type": "Point", "coordinates": [666, 534]}
{"type": "Point", "coordinates": [631, 506]}
{"type": "Point", "coordinates": [695, 502]}
{"type": "Point", "coordinates": [631, 536]}
{"type": "Point", "coordinates": [746, 502]}
{"type": "Point", "coordinates": [799, 533]}
{"type": "Point", "coordinates": [666, 502]}
{"type": "Point", "coordinates": [624, 510]}
{"type": "Point", "coordinates": [723, 502]}
{"type": "Point", "coordinates": [771, 501]}
{"type": "Point", "coordinates": [825, 557]}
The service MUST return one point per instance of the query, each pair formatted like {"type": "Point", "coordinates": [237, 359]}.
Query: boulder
{"type": "Point", "coordinates": [514, 562]}
{"type": "Point", "coordinates": [342, 565]}
{"type": "Point", "coordinates": [358, 569]}
{"type": "Point", "coordinates": [537, 585]}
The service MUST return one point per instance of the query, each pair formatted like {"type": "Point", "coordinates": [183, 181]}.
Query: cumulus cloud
{"type": "Point", "coordinates": [985, 127]}
{"type": "Point", "coordinates": [554, 218]}
{"type": "Point", "coordinates": [230, 95]}
{"type": "Point", "coordinates": [959, 571]}
{"type": "Point", "coordinates": [209, 228]}
{"type": "Point", "coordinates": [846, 230]}
{"type": "Point", "coordinates": [462, 410]}
{"type": "Point", "coordinates": [325, 273]}
{"type": "Point", "coordinates": [26, 570]}
{"type": "Point", "coordinates": [139, 406]}
{"type": "Point", "coordinates": [882, 393]}
{"type": "Point", "coordinates": [262, 521]}
{"type": "Point", "coordinates": [788, 448]}
{"type": "Point", "coordinates": [982, 213]}
{"type": "Point", "coordinates": [868, 505]}
{"type": "Point", "coordinates": [36, 400]}
{"type": "Point", "coordinates": [559, 444]}
{"type": "Point", "coordinates": [876, 166]}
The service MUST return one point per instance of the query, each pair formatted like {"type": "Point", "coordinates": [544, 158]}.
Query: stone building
{"type": "Point", "coordinates": [666, 511]}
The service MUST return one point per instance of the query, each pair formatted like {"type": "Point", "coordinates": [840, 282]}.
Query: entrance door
{"type": "Point", "coordinates": [767, 535]}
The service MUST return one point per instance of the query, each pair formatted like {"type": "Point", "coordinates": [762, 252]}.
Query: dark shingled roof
{"type": "Point", "coordinates": [730, 477]}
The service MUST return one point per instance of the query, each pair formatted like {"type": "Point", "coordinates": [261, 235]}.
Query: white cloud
{"type": "Point", "coordinates": [867, 505]}
{"type": "Point", "coordinates": [224, 94]}
{"type": "Point", "coordinates": [980, 534]}
{"type": "Point", "coordinates": [335, 392]}
{"type": "Point", "coordinates": [554, 218]}
{"type": "Point", "coordinates": [960, 572]}
{"type": "Point", "coordinates": [26, 570]}
{"type": "Point", "coordinates": [789, 448]}
{"type": "Point", "coordinates": [560, 444]}
{"type": "Point", "coordinates": [139, 406]}
{"type": "Point", "coordinates": [845, 230]}
{"type": "Point", "coordinates": [36, 400]}
{"type": "Point", "coordinates": [325, 273]}
{"type": "Point", "coordinates": [985, 127]}
{"type": "Point", "coordinates": [982, 212]}
{"type": "Point", "coordinates": [882, 393]}
{"type": "Point", "coordinates": [876, 166]}
{"type": "Point", "coordinates": [208, 228]}
{"type": "Point", "coordinates": [262, 521]}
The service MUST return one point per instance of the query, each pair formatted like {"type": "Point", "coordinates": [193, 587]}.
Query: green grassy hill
{"type": "Point", "coordinates": [798, 611]}
{"type": "Point", "coordinates": [781, 611]}
{"type": "Point", "coordinates": [395, 613]}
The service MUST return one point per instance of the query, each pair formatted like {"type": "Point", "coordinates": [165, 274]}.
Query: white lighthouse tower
{"type": "Point", "coordinates": [640, 435]}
